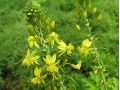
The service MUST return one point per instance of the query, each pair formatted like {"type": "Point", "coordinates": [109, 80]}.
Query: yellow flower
{"type": "Point", "coordinates": [77, 66]}
{"type": "Point", "coordinates": [53, 37]}
{"type": "Point", "coordinates": [85, 47]}
{"type": "Point", "coordinates": [38, 79]}
{"type": "Point", "coordinates": [30, 58]}
{"type": "Point", "coordinates": [50, 61]}
{"type": "Point", "coordinates": [32, 40]}
{"type": "Point", "coordinates": [65, 48]}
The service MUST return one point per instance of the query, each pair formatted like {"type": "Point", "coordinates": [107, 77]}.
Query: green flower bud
{"type": "Point", "coordinates": [78, 10]}
{"type": "Point", "coordinates": [77, 27]}
{"type": "Point", "coordinates": [94, 10]}
{"type": "Point", "coordinates": [36, 29]}
{"type": "Point", "coordinates": [84, 13]}
{"type": "Point", "coordinates": [99, 18]}
{"type": "Point", "coordinates": [49, 88]}
{"type": "Point", "coordinates": [39, 39]}
{"type": "Point", "coordinates": [55, 88]}
{"type": "Point", "coordinates": [31, 10]}
{"type": "Point", "coordinates": [52, 25]}
{"type": "Point", "coordinates": [40, 24]}
{"type": "Point", "coordinates": [30, 31]}
{"type": "Point", "coordinates": [47, 29]}
{"type": "Point", "coordinates": [88, 5]}
{"type": "Point", "coordinates": [29, 13]}
{"type": "Point", "coordinates": [47, 21]}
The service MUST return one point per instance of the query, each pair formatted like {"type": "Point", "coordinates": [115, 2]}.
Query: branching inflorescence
{"type": "Point", "coordinates": [46, 49]}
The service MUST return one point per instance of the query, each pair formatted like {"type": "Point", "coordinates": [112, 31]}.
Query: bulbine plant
{"type": "Point", "coordinates": [48, 54]}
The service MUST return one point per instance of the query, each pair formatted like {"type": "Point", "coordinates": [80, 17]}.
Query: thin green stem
{"type": "Point", "coordinates": [71, 79]}
{"type": "Point", "coordinates": [100, 63]}
{"type": "Point", "coordinates": [43, 42]}
{"type": "Point", "coordinates": [61, 81]}
{"type": "Point", "coordinates": [53, 82]}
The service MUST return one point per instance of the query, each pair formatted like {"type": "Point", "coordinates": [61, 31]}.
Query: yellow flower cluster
{"type": "Point", "coordinates": [47, 42]}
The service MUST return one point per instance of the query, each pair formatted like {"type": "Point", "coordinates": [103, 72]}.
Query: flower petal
{"type": "Point", "coordinates": [86, 43]}
{"type": "Point", "coordinates": [53, 59]}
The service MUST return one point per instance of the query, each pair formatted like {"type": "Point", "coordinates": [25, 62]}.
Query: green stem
{"type": "Point", "coordinates": [43, 42]}
{"type": "Point", "coordinates": [100, 63]}
{"type": "Point", "coordinates": [53, 82]}
{"type": "Point", "coordinates": [61, 82]}
{"type": "Point", "coordinates": [71, 79]}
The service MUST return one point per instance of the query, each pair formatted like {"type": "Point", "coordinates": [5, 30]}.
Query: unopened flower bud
{"type": "Point", "coordinates": [94, 10]}
{"type": "Point", "coordinates": [77, 27]}
{"type": "Point", "coordinates": [30, 31]}
{"type": "Point", "coordinates": [49, 88]}
{"type": "Point", "coordinates": [52, 25]}
{"type": "Point", "coordinates": [64, 63]}
{"type": "Point", "coordinates": [29, 13]}
{"type": "Point", "coordinates": [99, 18]}
{"type": "Point", "coordinates": [84, 13]}
{"type": "Point", "coordinates": [47, 29]}
{"type": "Point", "coordinates": [55, 88]}
{"type": "Point", "coordinates": [47, 21]}
{"type": "Point", "coordinates": [101, 82]}
{"type": "Point", "coordinates": [78, 10]}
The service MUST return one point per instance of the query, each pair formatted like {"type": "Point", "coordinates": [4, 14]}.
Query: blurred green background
{"type": "Point", "coordinates": [13, 36]}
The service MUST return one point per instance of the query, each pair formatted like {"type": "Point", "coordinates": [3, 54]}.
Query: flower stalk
{"type": "Point", "coordinates": [52, 50]}
{"type": "Point", "coordinates": [100, 63]}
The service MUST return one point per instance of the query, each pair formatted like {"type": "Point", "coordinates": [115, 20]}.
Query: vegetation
{"type": "Point", "coordinates": [13, 44]}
